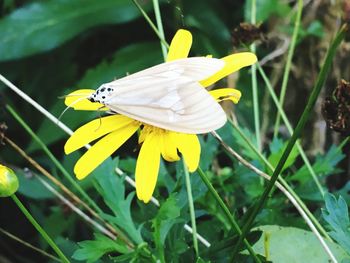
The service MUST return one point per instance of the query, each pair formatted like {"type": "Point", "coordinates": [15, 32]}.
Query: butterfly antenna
{"type": "Point", "coordinates": [100, 117]}
{"type": "Point", "coordinates": [70, 105]}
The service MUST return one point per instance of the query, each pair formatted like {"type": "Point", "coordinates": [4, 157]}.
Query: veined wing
{"type": "Point", "coordinates": [169, 96]}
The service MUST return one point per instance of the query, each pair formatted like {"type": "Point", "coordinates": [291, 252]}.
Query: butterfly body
{"type": "Point", "coordinates": [167, 96]}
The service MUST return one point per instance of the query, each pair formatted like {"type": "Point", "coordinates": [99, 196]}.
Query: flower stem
{"type": "Point", "coordinates": [152, 25]}
{"type": "Point", "coordinates": [282, 181]}
{"type": "Point", "coordinates": [24, 243]}
{"type": "Point", "coordinates": [160, 27]}
{"type": "Point", "coordinates": [191, 207]}
{"type": "Point", "coordinates": [227, 212]}
{"type": "Point", "coordinates": [290, 129]}
{"type": "Point", "coordinates": [289, 63]}
{"type": "Point", "coordinates": [255, 84]}
{"type": "Point", "coordinates": [52, 157]}
{"type": "Point", "coordinates": [299, 128]}
{"type": "Point", "coordinates": [283, 189]}
{"type": "Point", "coordinates": [39, 229]}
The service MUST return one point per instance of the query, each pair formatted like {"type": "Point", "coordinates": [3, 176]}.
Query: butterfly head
{"type": "Point", "coordinates": [101, 94]}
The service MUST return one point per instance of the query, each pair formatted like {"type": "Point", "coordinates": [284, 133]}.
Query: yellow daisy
{"type": "Point", "coordinates": [113, 130]}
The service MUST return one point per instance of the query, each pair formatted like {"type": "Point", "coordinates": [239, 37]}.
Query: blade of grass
{"type": "Point", "coordinates": [160, 27]}
{"type": "Point", "coordinates": [109, 230]}
{"type": "Point", "coordinates": [282, 181]}
{"type": "Point", "coordinates": [191, 207]}
{"type": "Point", "coordinates": [299, 128]}
{"type": "Point", "coordinates": [290, 130]}
{"type": "Point", "coordinates": [282, 189]}
{"type": "Point", "coordinates": [24, 243]}
{"type": "Point", "coordinates": [152, 25]}
{"type": "Point", "coordinates": [227, 212]}
{"type": "Point", "coordinates": [53, 158]}
{"type": "Point", "coordinates": [39, 229]}
{"type": "Point", "coordinates": [255, 84]}
{"type": "Point", "coordinates": [288, 63]}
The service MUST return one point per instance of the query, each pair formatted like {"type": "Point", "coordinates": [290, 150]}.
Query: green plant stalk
{"type": "Point", "coordinates": [53, 158]}
{"type": "Point", "coordinates": [191, 207]}
{"type": "Point", "coordinates": [227, 212]}
{"type": "Point", "coordinates": [283, 182]}
{"type": "Point", "coordinates": [288, 63]}
{"type": "Point", "coordinates": [299, 128]}
{"type": "Point", "coordinates": [24, 243]}
{"type": "Point", "coordinates": [39, 229]}
{"type": "Point", "coordinates": [149, 21]}
{"type": "Point", "coordinates": [255, 84]}
{"type": "Point", "coordinates": [160, 27]}
{"type": "Point", "coordinates": [157, 241]}
{"type": "Point", "coordinates": [290, 130]}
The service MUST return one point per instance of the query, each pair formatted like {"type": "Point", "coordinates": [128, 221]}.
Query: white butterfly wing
{"type": "Point", "coordinates": [169, 96]}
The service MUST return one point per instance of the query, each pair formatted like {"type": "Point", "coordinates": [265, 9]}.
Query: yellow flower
{"type": "Point", "coordinates": [8, 181]}
{"type": "Point", "coordinates": [156, 142]}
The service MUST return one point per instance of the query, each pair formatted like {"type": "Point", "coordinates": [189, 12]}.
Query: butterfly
{"type": "Point", "coordinates": [167, 96]}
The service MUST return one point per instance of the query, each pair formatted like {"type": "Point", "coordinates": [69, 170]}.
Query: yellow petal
{"type": "Point", "coordinates": [168, 147]}
{"type": "Point", "coordinates": [147, 167]}
{"type": "Point", "coordinates": [190, 148]}
{"type": "Point", "coordinates": [78, 100]}
{"type": "Point", "coordinates": [94, 130]}
{"type": "Point", "coordinates": [226, 94]}
{"type": "Point", "coordinates": [233, 63]}
{"type": "Point", "coordinates": [101, 150]}
{"type": "Point", "coordinates": [180, 45]}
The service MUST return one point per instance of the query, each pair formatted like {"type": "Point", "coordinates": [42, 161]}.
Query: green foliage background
{"type": "Point", "coordinates": [49, 48]}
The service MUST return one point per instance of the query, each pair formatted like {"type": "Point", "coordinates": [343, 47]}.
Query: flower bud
{"type": "Point", "coordinates": [8, 181]}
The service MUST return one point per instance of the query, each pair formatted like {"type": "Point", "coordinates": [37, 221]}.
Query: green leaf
{"type": "Point", "coordinates": [31, 187]}
{"type": "Point", "coordinates": [166, 216]}
{"type": "Point", "coordinates": [337, 216]}
{"type": "Point", "coordinates": [323, 166]}
{"type": "Point", "coordinates": [291, 245]}
{"type": "Point", "coordinates": [315, 29]}
{"type": "Point", "coordinates": [92, 250]}
{"type": "Point", "coordinates": [112, 188]}
{"type": "Point", "coordinates": [42, 26]}
{"type": "Point", "coordinates": [266, 8]}
{"type": "Point", "coordinates": [277, 147]}
{"type": "Point", "coordinates": [220, 251]}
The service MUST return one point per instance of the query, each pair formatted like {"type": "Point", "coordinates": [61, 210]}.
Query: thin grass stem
{"type": "Point", "coordinates": [53, 158]}
{"type": "Point", "coordinates": [39, 229]}
{"type": "Point", "coordinates": [191, 207]}
{"type": "Point", "coordinates": [289, 63]}
{"type": "Point", "coordinates": [290, 129]}
{"type": "Point", "coordinates": [24, 243]}
{"type": "Point", "coordinates": [282, 189]}
{"type": "Point", "coordinates": [152, 25]}
{"type": "Point", "coordinates": [227, 212]}
{"type": "Point", "coordinates": [282, 181]}
{"type": "Point", "coordinates": [255, 84]}
{"type": "Point", "coordinates": [299, 128]}
{"type": "Point", "coordinates": [160, 27]}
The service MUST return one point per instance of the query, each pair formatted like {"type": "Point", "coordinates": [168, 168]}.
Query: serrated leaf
{"type": "Point", "coordinates": [323, 166]}
{"type": "Point", "coordinates": [92, 250]}
{"type": "Point", "coordinates": [165, 217]}
{"type": "Point", "coordinates": [112, 189]}
{"type": "Point", "coordinates": [337, 216]}
{"type": "Point", "coordinates": [42, 26]}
